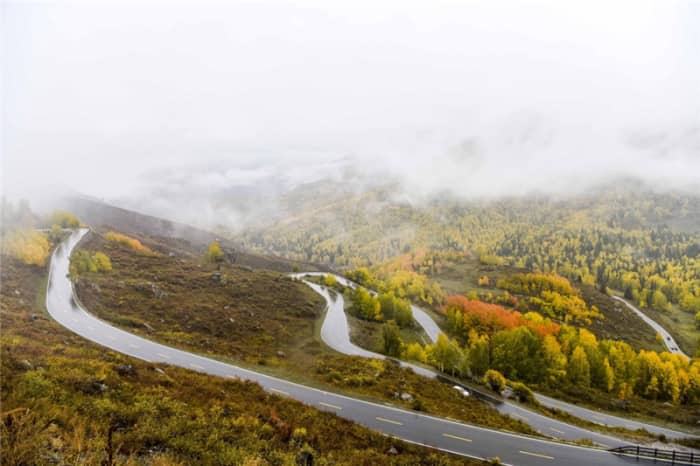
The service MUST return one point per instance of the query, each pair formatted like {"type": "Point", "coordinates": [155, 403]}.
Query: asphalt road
{"type": "Point", "coordinates": [335, 333]}
{"type": "Point", "coordinates": [443, 434]}
{"type": "Point", "coordinates": [669, 342]}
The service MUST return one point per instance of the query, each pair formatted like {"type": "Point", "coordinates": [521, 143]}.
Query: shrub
{"type": "Point", "coordinates": [64, 219]}
{"type": "Point", "coordinates": [523, 393]}
{"type": "Point", "coordinates": [330, 280]}
{"type": "Point", "coordinates": [29, 246]}
{"type": "Point", "coordinates": [133, 243]}
{"type": "Point", "coordinates": [82, 262]}
{"type": "Point", "coordinates": [495, 380]}
{"type": "Point", "coordinates": [214, 253]}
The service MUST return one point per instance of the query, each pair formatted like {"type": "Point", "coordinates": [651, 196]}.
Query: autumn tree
{"type": "Point", "coordinates": [554, 360]}
{"type": "Point", "coordinates": [214, 253]}
{"type": "Point", "coordinates": [329, 280]}
{"type": "Point", "coordinates": [444, 355]}
{"type": "Point", "coordinates": [495, 380]}
{"type": "Point", "coordinates": [415, 352]}
{"type": "Point", "coordinates": [479, 353]}
{"type": "Point", "coordinates": [391, 339]}
{"type": "Point", "coordinates": [579, 368]}
{"type": "Point", "coordinates": [102, 262]}
{"type": "Point", "coordinates": [396, 309]}
{"type": "Point", "coordinates": [517, 354]}
{"type": "Point", "coordinates": [365, 305]}
{"type": "Point", "coordinates": [29, 246]}
{"type": "Point", "coordinates": [64, 219]}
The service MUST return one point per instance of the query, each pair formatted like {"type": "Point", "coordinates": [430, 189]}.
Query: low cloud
{"type": "Point", "coordinates": [209, 112]}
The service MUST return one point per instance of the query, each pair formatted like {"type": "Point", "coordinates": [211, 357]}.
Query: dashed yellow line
{"type": "Point", "coordinates": [323, 403]}
{"type": "Point", "coordinates": [131, 345]}
{"type": "Point", "coordinates": [539, 455]}
{"type": "Point", "coordinates": [457, 437]}
{"type": "Point", "coordinates": [164, 356]}
{"type": "Point", "coordinates": [279, 391]}
{"type": "Point", "coordinates": [383, 419]}
{"type": "Point", "coordinates": [196, 366]}
{"type": "Point", "coordinates": [519, 416]}
{"type": "Point", "coordinates": [557, 430]}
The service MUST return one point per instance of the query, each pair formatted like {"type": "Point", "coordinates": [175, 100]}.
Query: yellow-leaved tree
{"type": "Point", "coordinates": [29, 246]}
{"type": "Point", "coordinates": [214, 253]}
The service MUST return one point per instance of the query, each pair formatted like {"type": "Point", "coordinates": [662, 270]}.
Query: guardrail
{"type": "Point", "coordinates": [668, 456]}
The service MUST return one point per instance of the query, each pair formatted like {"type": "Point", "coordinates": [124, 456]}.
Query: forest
{"type": "Point", "coordinates": [624, 237]}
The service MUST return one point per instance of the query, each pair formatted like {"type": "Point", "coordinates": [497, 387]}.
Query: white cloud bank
{"type": "Point", "coordinates": [483, 98]}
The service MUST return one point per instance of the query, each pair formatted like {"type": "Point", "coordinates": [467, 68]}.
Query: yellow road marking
{"type": "Point", "coordinates": [131, 345]}
{"type": "Point", "coordinates": [279, 391]}
{"type": "Point", "coordinates": [518, 415]}
{"type": "Point", "coordinates": [163, 355]}
{"type": "Point", "coordinates": [539, 455]}
{"type": "Point", "coordinates": [196, 366]}
{"type": "Point", "coordinates": [329, 405]}
{"type": "Point", "coordinates": [389, 421]}
{"type": "Point", "coordinates": [456, 437]}
{"type": "Point", "coordinates": [557, 430]}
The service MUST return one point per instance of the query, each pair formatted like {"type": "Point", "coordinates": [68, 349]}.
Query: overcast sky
{"type": "Point", "coordinates": [487, 97]}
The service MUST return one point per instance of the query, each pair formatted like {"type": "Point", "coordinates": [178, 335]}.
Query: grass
{"type": "Point", "coordinates": [67, 401]}
{"type": "Point", "coordinates": [258, 319]}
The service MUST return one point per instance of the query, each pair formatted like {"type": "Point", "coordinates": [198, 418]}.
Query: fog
{"type": "Point", "coordinates": [174, 107]}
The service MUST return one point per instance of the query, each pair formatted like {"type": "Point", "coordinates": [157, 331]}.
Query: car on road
{"type": "Point", "coordinates": [461, 390]}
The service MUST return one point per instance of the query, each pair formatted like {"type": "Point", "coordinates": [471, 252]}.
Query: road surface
{"type": "Point", "coordinates": [442, 434]}
{"type": "Point", "coordinates": [669, 342]}
{"type": "Point", "coordinates": [335, 334]}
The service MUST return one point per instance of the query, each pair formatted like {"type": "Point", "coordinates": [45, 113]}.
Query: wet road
{"type": "Point", "coordinates": [458, 438]}
{"type": "Point", "coordinates": [335, 333]}
{"type": "Point", "coordinates": [669, 342]}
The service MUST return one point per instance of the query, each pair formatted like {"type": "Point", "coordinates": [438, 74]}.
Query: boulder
{"type": "Point", "coordinates": [406, 397]}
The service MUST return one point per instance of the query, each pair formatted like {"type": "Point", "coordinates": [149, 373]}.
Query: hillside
{"type": "Point", "coordinates": [623, 237]}
{"type": "Point", "coordinates": [67, 401]}
{"type": "Point", "coordinates": [259, 319]}
{"type": "Point", "coordinates": [179, 237]}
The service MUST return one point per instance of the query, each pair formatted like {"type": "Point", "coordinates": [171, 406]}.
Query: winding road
{"type": "Point", "coordinates": [669, 342]}
{"type": "Point", "coordinates": [443, 434]}
{"type": "Point", "coordinates": [336, 335]}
